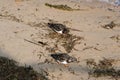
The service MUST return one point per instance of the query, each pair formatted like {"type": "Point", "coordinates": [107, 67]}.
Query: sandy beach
{"type": "Point", "coordinates": [97, 24]}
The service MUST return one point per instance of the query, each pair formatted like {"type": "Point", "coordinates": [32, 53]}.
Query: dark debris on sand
{"type": "Point", "coordinates": [110, 25]}
{"type": "Point", "coordinates": [68, 41]}
{"type": "Point", "coordinates": [9, 70]}
{"type": "Point", "coordinates": [60, 7]}
{"type": "Point", "coordinates": [103, 68]}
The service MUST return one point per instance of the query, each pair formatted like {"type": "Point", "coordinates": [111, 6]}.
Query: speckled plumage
{"type": "Point", "coordinates": [63, 58]}
{"type": "Point", "coordinates": [59, 28]}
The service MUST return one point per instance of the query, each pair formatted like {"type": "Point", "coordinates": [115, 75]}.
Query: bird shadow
{"type": "Point", "coordinates": [73, 68]}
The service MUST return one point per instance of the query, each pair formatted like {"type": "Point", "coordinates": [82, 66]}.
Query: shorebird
{"type": "Point", "coordinates": [63, 58]}
{"type": "Point", "coordinates": [59, 28]}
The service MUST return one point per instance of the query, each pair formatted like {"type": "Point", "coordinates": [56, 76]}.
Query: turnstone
{"type": "Point", "coordinates": [59, 28]}
{"type": "Point", "coordinates": [63, 58]}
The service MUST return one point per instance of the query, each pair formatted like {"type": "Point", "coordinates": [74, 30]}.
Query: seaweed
{"type": "Point", "coordinates": [110, 25]}
{"type": "Point", "coordinates": [116, 38]}
{"type": "Point", "coordinates": [61, 7]}
{"type": "Point", "coordinates": [103, 68]}
{"type": "Point", "coordinates": [10, 17]}
{"type": "Point", "coordinates": [68, 41]}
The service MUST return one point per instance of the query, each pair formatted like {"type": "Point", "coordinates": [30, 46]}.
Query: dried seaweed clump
{"type": "Point", "coordinates": [61, 7]}
{"type": "Point", "coordinates": [111, 25]}
{"type": "Point", "coordinates": [10, 71]}
{"type": "Point", "coordinates": [10, 17]}
{"type": "Point", "coordinates": [116, 38]}
{"type": "Point", "coordinates": [68, 41]}
{"type": "Point", "coordinates": [103, 68]}
{"type": "Point", "coordinates": [34, 24]}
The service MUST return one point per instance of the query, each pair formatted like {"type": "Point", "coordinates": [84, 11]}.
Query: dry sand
{"type": "Point", "coordinates": [26, 20]}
